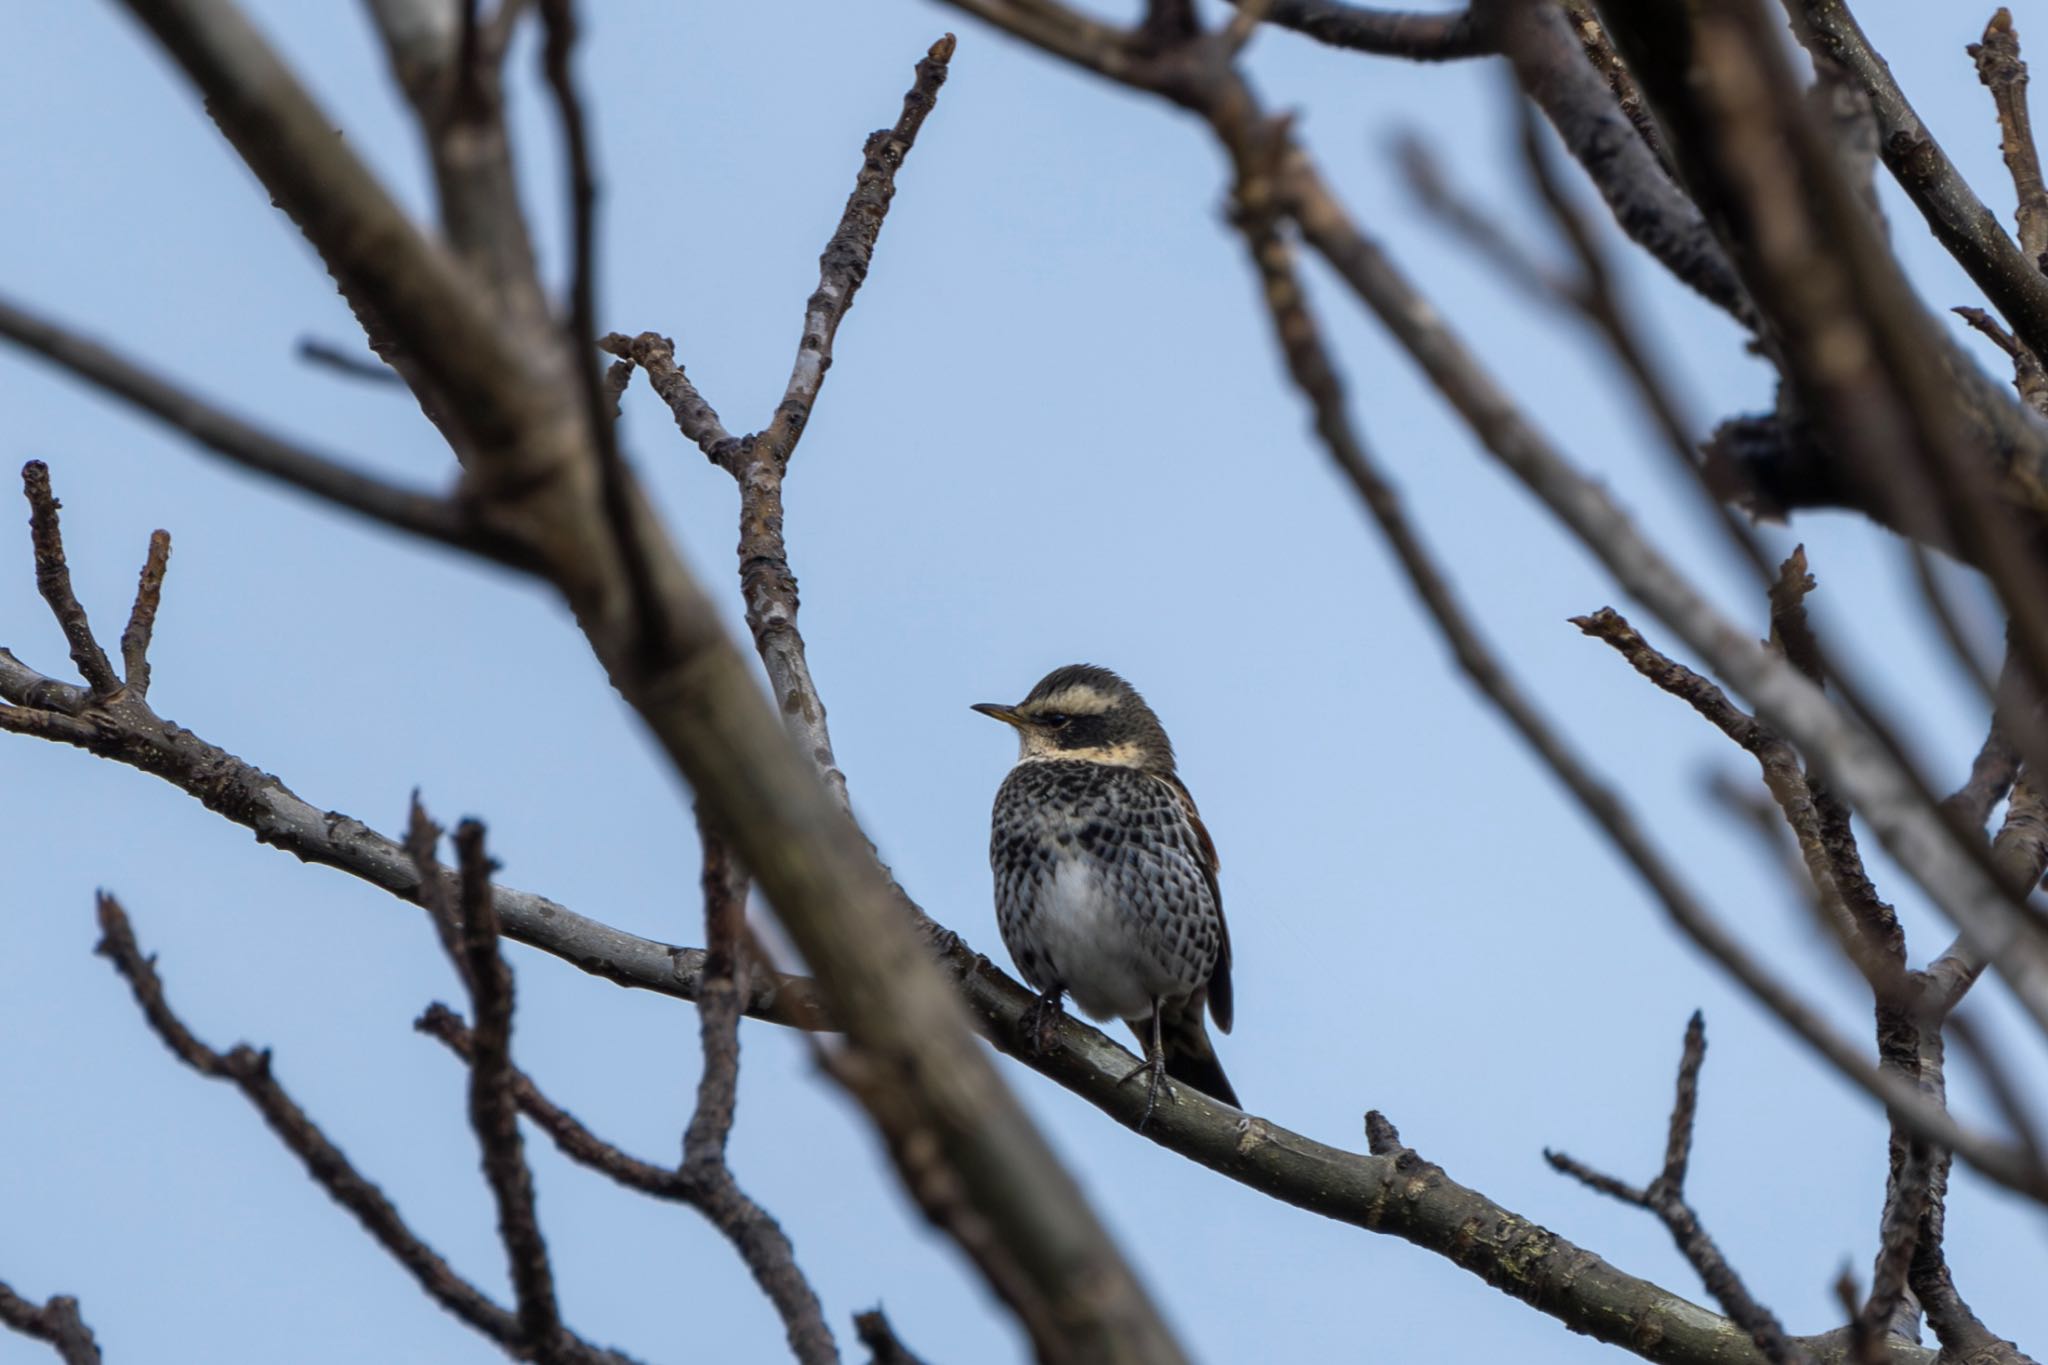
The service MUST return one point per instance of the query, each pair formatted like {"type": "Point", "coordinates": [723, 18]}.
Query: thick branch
{"type": "Point", "coordinates": [56, 1322]}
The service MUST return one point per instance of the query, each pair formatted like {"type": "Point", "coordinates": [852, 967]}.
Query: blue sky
{"type": "Point", "coordinates": [1055, 431]}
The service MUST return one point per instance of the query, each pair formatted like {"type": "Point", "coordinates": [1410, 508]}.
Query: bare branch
{"type": "Point", "coordinates": [1665, 1197]}
{"type": "Point", "coordinates": [467, 923]}
{"type": "Point", "coordinates": [249, 1071]}
{"type": "Point", "coordinates": [758, 1238]}
{"type": "Point", "coordinates": [844, 264]}
{"type": "Point", "coordinates": [1420, 37]}
{"type": "Point", "coordinates": [760, 462]}
{"type": "Point", "coordinates": [2020, 852]}
{"type": "Point", "coordinates": [316, 351]}
{"type": "Point", "coordinates": [2029, 379]}
{"type": "Point", "coordinates": [875, 1333]}
{"type": "Point", "coordinates": [53, 581]}
{"type": "Point", "coordinates": [695, 417]}
{"type": "Point", "coordinates": [241, 443]}
{"type": "Point", "coordinates": [1553, 68]}
{"type": "Point", "coordinates": [58, 1323]}
{"type": "Point", "coordinates": [149, 590]}
{"type": "Point", "coordinates": [559, 19]}
{"type": "Point", "coordinates": [1957, 217]}
{"type": "Point", "coordinates": [2005, 76]}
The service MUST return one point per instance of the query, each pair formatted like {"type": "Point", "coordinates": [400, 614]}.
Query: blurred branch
{"type": "Point", "coordinates": [248, 1070]}
{"type": "Point", "coordinates": [317, 351]}
{"type": "Point", "coordinates": [1552, 66]}
{"type": "Point", "coordinates": [875, 1333]}
{"type": "Point", "coordinates": [56, 1322]}
{"type": "Point", "coordinates": [1431, 37]}
{"type": "Point", "coordinates": [241, 443]}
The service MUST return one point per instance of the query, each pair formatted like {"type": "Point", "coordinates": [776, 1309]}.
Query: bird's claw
{"type": "Point", "coordinates": [1042, 1022]}
{"type": "Point", "coordinates": [1155, 1067]}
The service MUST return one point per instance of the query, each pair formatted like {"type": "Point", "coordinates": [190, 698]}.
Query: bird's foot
{"type": "Point", "coordinates": [1153, 1066]}
{"type": "Point", "coordinates": [1042, 1022]}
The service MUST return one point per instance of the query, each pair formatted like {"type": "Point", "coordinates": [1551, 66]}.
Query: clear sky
{"type": "Point", "coordinates": [1056, 431]}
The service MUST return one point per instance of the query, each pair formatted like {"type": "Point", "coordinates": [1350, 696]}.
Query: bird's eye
{"type": "Point", "coordinates": [1053, 720]}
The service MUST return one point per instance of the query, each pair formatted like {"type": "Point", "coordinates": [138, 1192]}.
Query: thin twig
{"type": "Point", "coordinates": [2005, 76]}
{"type": "Point", "coordinates": [759, 463]}
{"type": "Point", "coordinates": [249, 1071]}
{"type": "Point", "coordinates": [468, 925]}
{"type": "Point", "coordinates": [317, 351]}
{"type": "Point", "coordinates": [1598, 300]}
{"type": "Point", "coordinates": [1665, 1197]}
{"type": "Point", "coordinates": [621, 506]}
{"type": "Point", "coordinates": [141, 629]}
{"type": "Point", "coordinates": [754, 1233]}
{"type": "Point", "coordinates": [326, 477]}
{"type": "Point", "coordinates": [53, 581]}
{"type": "Point", "coordinates": [876, 1333]}
{"type": "Point", "coordinates": [2029, 379]}
{"type": "Point", "coordinates": [844, 264]}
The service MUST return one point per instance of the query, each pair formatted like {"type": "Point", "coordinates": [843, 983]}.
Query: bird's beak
{"type": "Point", "coordinates": [1006, 714]}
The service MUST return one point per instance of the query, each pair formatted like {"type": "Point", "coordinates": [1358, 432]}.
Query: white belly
{"type": "Point", "coordinates": [1094, 947]}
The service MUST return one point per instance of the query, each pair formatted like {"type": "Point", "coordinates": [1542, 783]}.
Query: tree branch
{"type": "Point", "coordinates": [1665, 1197]}
{"type": "Point", "coordinates": [248, 1070]}
{"type": "Point", "coordinates": [241, 443]}
{"type": "Point", "coordinates": [530, 466]}
{"type": "Point", "coordinates": [1420, 37]}
{"type": "Point", "coordinates": [1956, 216]}
{"type": "Point", "coordinates": [56, 1322]}
{"type": "Point", "coordinates": [753, 1232]}
{"type": "Point", "coordinates": [465, 917]}
{"type": "Point", "coordinates": [1562, 1280]}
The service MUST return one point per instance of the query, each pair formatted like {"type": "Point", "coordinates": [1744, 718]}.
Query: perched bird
{"type": "Point", "coordinates": [1105, 877]}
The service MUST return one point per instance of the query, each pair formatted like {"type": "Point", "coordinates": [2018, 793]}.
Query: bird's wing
{"type": "Point", "coordinates": [1219, 980]}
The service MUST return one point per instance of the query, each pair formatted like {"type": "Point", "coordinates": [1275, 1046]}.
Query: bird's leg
{"type": "Point", "coordinates": [1155, 1063]}
{"type": "Point", "coordinates": [1042, 1020]}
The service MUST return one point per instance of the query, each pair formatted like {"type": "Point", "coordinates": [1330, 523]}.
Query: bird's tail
{"type": "Point", "coordinates": [1190, 1056]}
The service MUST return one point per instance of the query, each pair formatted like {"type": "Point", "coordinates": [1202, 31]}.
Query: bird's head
{"type": "Point", "coordinates": [1087, 714]}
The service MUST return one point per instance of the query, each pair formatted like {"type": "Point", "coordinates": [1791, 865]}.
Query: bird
{"type": "Point", "coordinates": [1105, 877]}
